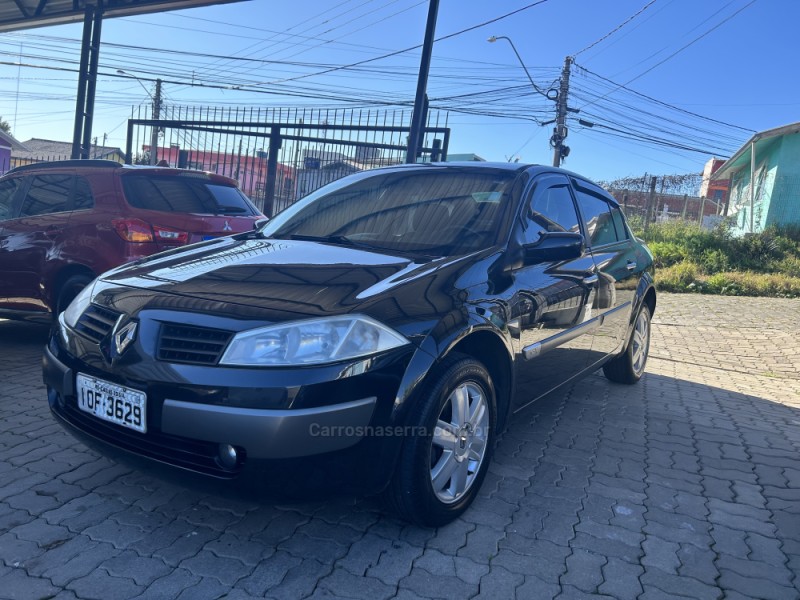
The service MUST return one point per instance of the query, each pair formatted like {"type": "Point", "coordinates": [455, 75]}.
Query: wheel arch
{"type": "Point", "coordinates": [645, 294]}
{"type": "Point", "coordinates": [487, 347]}
{"type": "Point", "coordinates": [61, 277]}
{"type": "Point", "coordinates": [650, 300]}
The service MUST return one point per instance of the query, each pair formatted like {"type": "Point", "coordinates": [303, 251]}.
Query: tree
{"type": "Point", "coordinates": [4, 126]}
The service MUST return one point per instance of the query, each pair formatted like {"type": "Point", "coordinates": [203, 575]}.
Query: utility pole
{"type": "Point", "coordinates": [651, 200]}
{"type": "Point", "coordinates": [156, 117]}
{"type": "Point", "coordinates": [560, 132]}
{"type": "Point", "coordinates": [418, 117]}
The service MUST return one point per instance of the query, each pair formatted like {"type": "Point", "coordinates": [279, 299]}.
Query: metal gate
{"type": "Point", "coordinates": [278, 156]}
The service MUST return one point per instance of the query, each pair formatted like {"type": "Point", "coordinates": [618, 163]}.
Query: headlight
{"type": "Point", "coordinates": [314, 341]}
{"type": "Point", "coordinates": [78, 305]}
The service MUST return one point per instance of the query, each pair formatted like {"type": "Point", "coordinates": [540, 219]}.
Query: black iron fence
{"type": "Point", "coordinates": [280, 155]}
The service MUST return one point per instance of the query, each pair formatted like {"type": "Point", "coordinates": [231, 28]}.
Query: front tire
{"type": "Point", "coordinates": [444, 461]}
{"type": "Point", "coordinates": [629, 366]}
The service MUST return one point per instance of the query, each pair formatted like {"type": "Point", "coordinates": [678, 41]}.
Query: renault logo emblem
{"type": "Point", "coordinates": [124, 336]}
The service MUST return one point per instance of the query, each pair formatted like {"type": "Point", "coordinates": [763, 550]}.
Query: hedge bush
{"type": "Point", "coordinates": [690, 259]}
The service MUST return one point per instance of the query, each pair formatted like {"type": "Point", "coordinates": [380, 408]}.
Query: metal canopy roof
{"type": "Point", "coordinates": [25, 14]}
{"type": "Point", "coordinates": [761, 141]}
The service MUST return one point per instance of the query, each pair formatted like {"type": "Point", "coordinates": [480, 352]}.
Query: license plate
{"type": "Point", "coordinates": [112, 402]}
{"type": "Point", "coordinates": [209, 237]}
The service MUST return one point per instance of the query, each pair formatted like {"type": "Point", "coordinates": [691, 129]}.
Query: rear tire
{"type": "Point", "coordinates": [445, 457]}
{"type": "Point", "coordinates": [68, 290]}
{"type": "Point", "coordinates": [629, 366]}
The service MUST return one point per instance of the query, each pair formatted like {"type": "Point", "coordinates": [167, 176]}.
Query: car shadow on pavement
{"type": "Point", "coordinates": [670, 485]}
{"type": "Point", "coordinates": [661, 430]}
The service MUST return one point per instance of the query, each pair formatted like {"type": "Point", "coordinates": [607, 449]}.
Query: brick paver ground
{"type": "Point", "coordinates": [686, 485]}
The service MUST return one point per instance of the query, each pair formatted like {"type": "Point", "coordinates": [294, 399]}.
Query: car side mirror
{"type": "Point", "coordinates": [554, 246]}
{"type": "Point", "coordinates": [259, 223]}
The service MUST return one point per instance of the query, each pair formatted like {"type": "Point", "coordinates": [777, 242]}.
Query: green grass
{"type": "Point", "coordinates": [689, 259]}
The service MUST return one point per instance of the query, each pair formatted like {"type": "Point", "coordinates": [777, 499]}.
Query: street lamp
{"type": "Point", "coordinates": [559, 96]}
{"type": "Point", "coordinates": [139, 81]}
{"type": "Point", "coordinates": [156, 112]}
{"type": "Point", "coordinates": [494, 38]}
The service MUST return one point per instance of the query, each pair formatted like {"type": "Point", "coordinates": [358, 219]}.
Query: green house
{"type": "Point", "coordinates": [764, 180]}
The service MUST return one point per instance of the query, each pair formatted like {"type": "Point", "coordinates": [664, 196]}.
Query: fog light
{"type": "Point", "coordinates": [228, 456]}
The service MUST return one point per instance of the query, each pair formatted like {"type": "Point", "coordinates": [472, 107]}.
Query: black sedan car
{"type": "Point", "coordinates": [393, 321]}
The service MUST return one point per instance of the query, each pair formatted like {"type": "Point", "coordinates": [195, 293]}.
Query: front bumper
{"type": "Point", "coordinates": [188, 434]}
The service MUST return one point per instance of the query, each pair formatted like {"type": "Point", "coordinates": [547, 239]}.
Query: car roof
{"type": "Point", "coordinates": [461, 165]}
{"type": "Point", "coordinates": [126, 169]}
{"type": "Point", "coordinates": [533, 169]}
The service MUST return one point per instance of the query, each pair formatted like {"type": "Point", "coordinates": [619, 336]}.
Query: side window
{"type": "Point", "coordinates": [83, 194]}
{"type": "Point", "coordinates": [598, 221]}
{"type": "Point", "coordinates": [551, 209]}
{"type": "Point", "coordinates": [48, 194]}
{"type": "Point", "coordinates": [8, 190]}
{"type": "Point", "coordinates": [619, 224]}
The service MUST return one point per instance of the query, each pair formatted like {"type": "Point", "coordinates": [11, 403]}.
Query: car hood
{"type": "Point", "coordinates": [278, 280]}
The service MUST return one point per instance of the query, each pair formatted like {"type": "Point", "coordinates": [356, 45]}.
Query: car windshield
{"type": "Point", "coordinates": [176, 193]}
{"type": "Point", "coordinates": [432, 211]}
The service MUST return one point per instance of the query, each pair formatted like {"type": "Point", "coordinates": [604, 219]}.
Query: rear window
{"type": "Point", "coordinates": [186, 195]}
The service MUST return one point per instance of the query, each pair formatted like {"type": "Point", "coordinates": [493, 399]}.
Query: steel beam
{"type": "Point", "coordinates": [80, 102]}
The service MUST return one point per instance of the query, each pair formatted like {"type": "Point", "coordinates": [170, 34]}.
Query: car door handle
{"type": "Point", "coordinates": [591, 279]}
{"type": "Point", "coordinates": [631, 265]}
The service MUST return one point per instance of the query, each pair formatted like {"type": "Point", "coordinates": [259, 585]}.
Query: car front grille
{"type": "Point", "coordinates": [192, 345]}
{"type": "Point", "coordinates": [96, 322]}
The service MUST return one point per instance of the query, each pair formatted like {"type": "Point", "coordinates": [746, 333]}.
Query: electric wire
{"type": "Point", "coordinates": [616, 29]}
{"type": "Point", "coordinates": [682, 48]}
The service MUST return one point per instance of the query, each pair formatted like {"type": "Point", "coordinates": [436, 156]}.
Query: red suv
{"type": "Point", "coordinates": [63, 223]}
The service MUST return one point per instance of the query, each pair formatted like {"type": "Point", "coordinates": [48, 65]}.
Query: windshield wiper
{"type": "Point", "coordinates": [343, 240]}
{"type": "Point", "coordinates": [340, 240]}
{"type": "Point", "coordinates": [328, 239]}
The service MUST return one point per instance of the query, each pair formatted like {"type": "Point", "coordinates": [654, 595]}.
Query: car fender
{"type": "Point", "coordinates": [452, 330]}
{"type": "Point", "coordinates": [644, 286]}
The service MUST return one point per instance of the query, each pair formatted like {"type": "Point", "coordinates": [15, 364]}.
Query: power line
{"type": "Point", "coordinates": [367, 26]}
{"type": "Point", "coordinates": [618, 86]}
{"type": "Point", "coordinates": [617, 39]}
{"type": "Point", "coordinates": [697, 39]}
{"type": "Point", "coordinates": [617, 28]}
{"type": "Point", "coordinates": [672, 41]}
{"type": "Point", "coordinates": [679, 50]}
{"type": "Point", "coordinates": [404, 50]}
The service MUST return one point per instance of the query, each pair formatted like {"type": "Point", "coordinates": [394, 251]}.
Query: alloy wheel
{"type": "Point", "coordinates": [641, 343]}
{"type": "Point", "coordinates": [459, 442]}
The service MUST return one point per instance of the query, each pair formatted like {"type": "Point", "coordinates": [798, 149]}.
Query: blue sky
{"type": "Point", "coordinates": [738, 73]}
